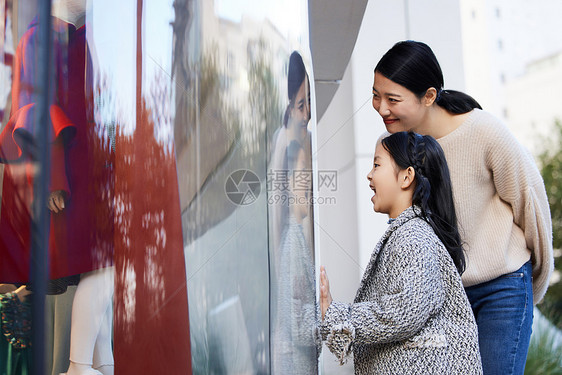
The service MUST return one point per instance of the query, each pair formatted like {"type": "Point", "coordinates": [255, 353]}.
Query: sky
{"type": "Point", "coordinates": [280, 13]}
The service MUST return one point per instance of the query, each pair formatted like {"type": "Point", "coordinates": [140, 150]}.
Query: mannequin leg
{"type": "Point", "coordinates": [60, 315]}
{"type": "Point", "coordinates": [93, 297]}
{"type": "Point", "coordinates": [103, 352]}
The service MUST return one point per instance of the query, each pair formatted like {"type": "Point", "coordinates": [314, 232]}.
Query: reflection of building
{"type": "Point", "coordinates": [234, 45]}
{"type": "Point", "coordinates": [533, 102]}
{"type": "Point", "coordinates": [499, 38]}
{"type": "Point", "coordinates": [227, 51]}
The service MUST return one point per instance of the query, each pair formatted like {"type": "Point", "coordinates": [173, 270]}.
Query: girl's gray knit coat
{"type": "Point", "coordinates": [411, 314]}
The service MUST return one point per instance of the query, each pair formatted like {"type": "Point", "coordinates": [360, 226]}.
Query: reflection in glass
{"type": "Point", "coordinates": [229, 104]}
{"type": "Point", "coordinates": [81, 171]}
{"type": "Point", "coordinates": [135, 92]}
{"type": "Point", "coordinates": [220, 133]}
{"type": "Point", "coordinates": [294, 340]}
{"type": "Point", "coordinates": [156, 108]}
{"type": "Point", "coordinates": [80, 185]}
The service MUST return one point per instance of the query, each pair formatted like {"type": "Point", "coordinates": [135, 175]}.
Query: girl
{"type": "Point", "coordinates": [295, 345]}
{"type": "Point", "coordinates": [293, 312]}
{"type": "Point", "coordinates": [410, 314]}
{"type": "Point", "coordinates": [499, 196]}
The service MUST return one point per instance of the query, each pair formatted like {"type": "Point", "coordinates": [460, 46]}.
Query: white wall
{"type": "Point", "coordinates": [338, 239]}
{"type": "Point", "coordinates": [435, 22]}
{"type": "Point", "coordinates": [500, 38]}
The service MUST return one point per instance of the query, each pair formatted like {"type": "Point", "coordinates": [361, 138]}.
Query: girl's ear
{"type": "Point", "coordinates": [407, 176]}
{"type": "Point", "coordinates": [430, 96]}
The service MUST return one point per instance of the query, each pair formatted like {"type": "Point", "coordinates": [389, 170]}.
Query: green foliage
{"type": "Point", "coordinates": [545, 352]}
{"type": "Point", "coordinates": [551, 162]}
{"type": "Point", "coordinates": [264, 97]}
{"type": "Point", "coordinates": [551, 170]}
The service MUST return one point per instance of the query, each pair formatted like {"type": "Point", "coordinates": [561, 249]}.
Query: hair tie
{"type": "Point", "coordinates": [439, 94]}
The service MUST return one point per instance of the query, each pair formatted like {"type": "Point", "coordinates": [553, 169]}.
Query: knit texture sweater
{"type": "Point", "coordinates": [500, 200]}
{"type": "Point", "coordinates": [411, 314]}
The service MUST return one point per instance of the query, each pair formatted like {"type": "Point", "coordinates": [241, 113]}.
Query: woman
{"type": "Point", "coordinates": [295, 128]}
{"type": "Point", "coordinates": [499, 195]}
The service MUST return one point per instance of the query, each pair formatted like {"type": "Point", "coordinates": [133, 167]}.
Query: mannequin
{"type": "Point", "coordinates": [90, 338]}
{"type": "Point", "coordinates": [81, 219]}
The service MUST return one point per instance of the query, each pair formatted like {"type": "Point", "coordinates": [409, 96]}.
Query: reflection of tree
{"type": "Point", "coordinates": [264, 93]}
{"type": "Point", "coordinates": [203, 121]}
{"type": "Point", "coordinates": [151, 314]}
{"type": "Point", "coordinates": [101, 188]}
{"type": "Point", "coordinates": [213, 140]}
{"type": "Point", "coordinates": [210, 142]}
{"type": "Point", "coordinates": [144, 170]}
{"type": "Point", "coordinates": [219, 136]}
{"type": "Point", "coordinates": [216, 115]}
{"type": "Point", "coordinates": [160, 103]}
{"type": "Point", "coordinates": [182, 74]}
{"type": "Point", "coordinates": [224, 133]}
{"type": "Point", "coordinates": [551, 162]}
{"type": "Point", "coordinates": [181, 27]}
{"type": "Point", "coordinates": [150, 269]}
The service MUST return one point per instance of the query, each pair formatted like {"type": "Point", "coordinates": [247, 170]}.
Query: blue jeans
{"type": "Point", "coordinates": [503, 309]}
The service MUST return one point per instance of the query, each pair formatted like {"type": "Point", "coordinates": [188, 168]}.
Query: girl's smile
{"type": "Point", "coordinates": [391, 186]}
{"type": "Point", "coordinates": [383, 181]}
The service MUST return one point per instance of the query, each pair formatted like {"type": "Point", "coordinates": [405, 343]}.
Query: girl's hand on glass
{"type": "Point", "coordinates": [325, 295]}
{"type": "Point", "coordinates": [56, 201]}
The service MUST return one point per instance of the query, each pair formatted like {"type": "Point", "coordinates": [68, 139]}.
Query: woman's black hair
{"type": "Point", "coordinates": [296, 76]}
{"type": "Point", "coordinates": [413, 65]}
{"type": "Point", "coordinates": [433, 192]}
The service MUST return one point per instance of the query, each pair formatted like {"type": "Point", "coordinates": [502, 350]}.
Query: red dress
{"type": "Point", "coordinates": [81, 236]}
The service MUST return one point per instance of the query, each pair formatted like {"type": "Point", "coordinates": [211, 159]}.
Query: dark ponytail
{"type": "Point", "coordinates": [413, 65]}
{"type": "Point", "coordinates": [456, 101]}
{"type": "Point", "coordinates": [433, 192]}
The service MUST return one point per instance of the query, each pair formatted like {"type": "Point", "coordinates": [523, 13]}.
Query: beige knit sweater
{"type": "Point", "coordinates": [500, 200]}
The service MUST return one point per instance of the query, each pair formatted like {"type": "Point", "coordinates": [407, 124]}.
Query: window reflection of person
{"type": "Point", "coordinates": [293, 307]}
{"type": "Point", "coordinates": [294, 339]}
{"type": "Point", "coordinates": [295, 127]}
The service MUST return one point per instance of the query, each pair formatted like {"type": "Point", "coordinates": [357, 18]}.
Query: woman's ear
{"type": "Point", "coordinates": [408, 176]}
{"type": "Point", "coordinates": [430, 96]}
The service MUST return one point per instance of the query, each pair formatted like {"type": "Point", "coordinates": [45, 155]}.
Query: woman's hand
{"type": "Point", "coordinates": [325, 295]}
{"type": "Point", "coordinates": [56, 201]}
